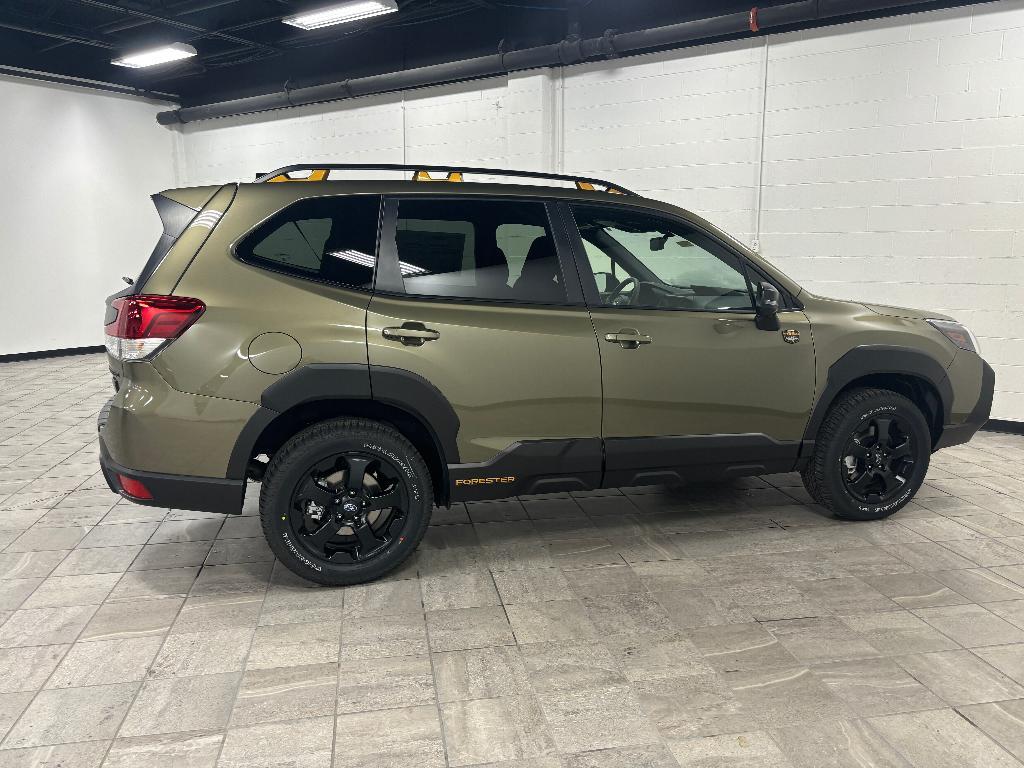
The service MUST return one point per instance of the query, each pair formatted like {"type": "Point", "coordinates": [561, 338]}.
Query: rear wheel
{"type": "Point", "coordinates": [870, 456]}
{"type": "Point", "coordinates": [345, 501]}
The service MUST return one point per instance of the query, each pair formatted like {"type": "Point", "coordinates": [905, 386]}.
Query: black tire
{"type": "Point", "coordinates": [870, 440]}
{"type": "Point", "coordinates": [310, 543]}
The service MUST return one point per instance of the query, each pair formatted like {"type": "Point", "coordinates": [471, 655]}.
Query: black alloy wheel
{"type": "Point", "coordinates": [878, 459]}
{"type": "Point", "coordinates": [345, 501]}
{"type": "Point", "coordinates": [870, 455]}
{"type": "Point", "coordinates": [348, 508]}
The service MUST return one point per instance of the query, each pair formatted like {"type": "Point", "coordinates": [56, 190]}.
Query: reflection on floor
{"type": "Point", "coordinates": [713, 626]}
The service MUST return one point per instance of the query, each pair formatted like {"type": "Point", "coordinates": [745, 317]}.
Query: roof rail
{"type": "Point", "coordinates": [321, 171]}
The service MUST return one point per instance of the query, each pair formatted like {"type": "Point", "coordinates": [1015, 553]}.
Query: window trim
{"type": "Point", "coordinates": [391, 284]}
{"type": "Point", "coordinates": [592, 295]}
{"type": "Point", "coordinates": [268, 266]}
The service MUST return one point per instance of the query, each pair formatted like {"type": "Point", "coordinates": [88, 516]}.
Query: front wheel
{"type": "Point", "coordinates": [345, 501]}
{"type": "Point", "coordinates": [870, 456]}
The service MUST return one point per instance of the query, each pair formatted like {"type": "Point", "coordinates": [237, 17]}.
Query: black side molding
{"type": "Point", "coordinates": [879, 358]}
{"type": "Point", "coordinates": [680, 458]}
{"type": "Point", "coordinates": [535, 466]}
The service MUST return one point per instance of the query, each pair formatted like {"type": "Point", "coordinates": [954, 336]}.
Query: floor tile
{"type": "Point", "coordinates": [495, 730]}
{"type": "Point", "coordinates": [176, 704]}
{"type": "Point", "coordinates": [480, 673]}
{"type": "Point", "coordinates": [873, 687]}
{"type": "Point", "coordinates": [785, 696]}
{"type": "Point", "coordinates": [411, 740]}
{"type": "Point", "coordinates": [69, 715]}
{"type": "Point", "coordinates": [941, 739]}
{"type": "Point", "coordinates": [299, 744]}
{"type": "Point", "coordinates": [285, 693]}
{"type": "Point", "coordinates": [837, 744]}
{"type": "Point", "coordinates": [465, 628]}
{"type": "Point", "coordinates": [105, 662]}
{"type": "Point", "coordinates": [960, 677]}
{"type": "Point", "coordinates": [386, 683]}
{"type": "Point", "coordinates": [735, 750]}
{"type": "Point", "coordinates": [188, 654]}
{"type": "Point", "coordinates": [197, 749]}
{"type": "Point", "coordinates": [596, 718]}
{"type": "Point", "coordinates": [556, 620]}
{"type": "Point", "coordinates": [1003, 722]}
{"type": "Point", "coordinates": [288, 645]}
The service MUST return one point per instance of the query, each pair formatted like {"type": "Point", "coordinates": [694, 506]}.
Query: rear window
{"type": "Point", "coordinates": [329, 239]}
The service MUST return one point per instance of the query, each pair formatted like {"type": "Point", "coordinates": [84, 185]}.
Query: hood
{"type": "Point", "coordinates": [909, 314]}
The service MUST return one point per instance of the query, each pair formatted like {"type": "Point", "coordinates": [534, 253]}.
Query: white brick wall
{"type": "Point", "coordinates": [892, 166]}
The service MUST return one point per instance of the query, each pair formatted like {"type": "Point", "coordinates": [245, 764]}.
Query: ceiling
{"type": "Point", "coordinates": [245, 49]}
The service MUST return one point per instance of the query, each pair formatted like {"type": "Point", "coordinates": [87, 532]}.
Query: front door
{"type": "Point", "coordinates": [692, 388]}
{"type": "Point", "coordinates": [471, 297]}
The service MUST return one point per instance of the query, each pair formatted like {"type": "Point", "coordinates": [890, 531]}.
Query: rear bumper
{"type": "Point", "coordinates": [198, 494]}
{"type": "Point", "coordinates": [957, 434]}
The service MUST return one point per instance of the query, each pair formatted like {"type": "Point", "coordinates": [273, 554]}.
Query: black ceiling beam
{"type": "Point", "coordinates": [200, 32]}
{"type": "Point", "coordinates": [179, 9]}
{"type": "Point", "coordinates": [56, 33]}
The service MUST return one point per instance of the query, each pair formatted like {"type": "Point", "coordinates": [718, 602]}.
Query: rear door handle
{"type": "Point", "coordinates": [628, 338]}
{"type": "Point", "coordinates": [412, 334]}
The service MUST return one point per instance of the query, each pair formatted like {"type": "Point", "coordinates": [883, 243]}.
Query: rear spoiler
{"type": "Point", "coordinates": [176, 208]}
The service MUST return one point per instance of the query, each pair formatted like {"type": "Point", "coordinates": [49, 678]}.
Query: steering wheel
{"type": "Point", "coordinates": [618, 290]}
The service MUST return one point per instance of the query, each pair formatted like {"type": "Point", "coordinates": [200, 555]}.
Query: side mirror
{"type": "Point", "coordinates": [767, 315]}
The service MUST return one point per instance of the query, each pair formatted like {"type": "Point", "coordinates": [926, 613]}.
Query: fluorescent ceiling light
{"type": "Point", "coordinates": [154, 56]}
{"type": "Point", "coordinates": [341, 13]}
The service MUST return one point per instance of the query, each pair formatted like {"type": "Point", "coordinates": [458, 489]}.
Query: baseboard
{"type": "Point", "coordinates": [18, 357]}
{"type": "Point", "coordinates": [1004, 425]}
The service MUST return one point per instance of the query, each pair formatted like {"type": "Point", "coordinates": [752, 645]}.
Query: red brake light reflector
{"type": "Point", "coordinates": [134, 488]}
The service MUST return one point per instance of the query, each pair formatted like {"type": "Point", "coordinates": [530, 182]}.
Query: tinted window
{"type": "Point", "coordinates": [649, 261]}
{"type": "Point", "coordinates": [327, 238]}
{"type": "Point", "coordinates": [489, 249]}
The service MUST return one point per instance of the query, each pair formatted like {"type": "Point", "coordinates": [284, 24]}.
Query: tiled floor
{"type": "Point", "coordinates": [720, 626]}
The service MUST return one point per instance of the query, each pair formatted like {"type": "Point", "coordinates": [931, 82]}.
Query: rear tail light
{"type": "Point", "coordinates": [145, 323]}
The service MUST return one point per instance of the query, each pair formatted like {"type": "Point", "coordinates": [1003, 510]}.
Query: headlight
{"type": "Point", "coordinates": [958, 334]}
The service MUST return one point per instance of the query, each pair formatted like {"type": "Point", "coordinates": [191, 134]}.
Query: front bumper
{"type": "Point", "coordinates": [197, 494]}
{"type": "Point", "coordinates": [957, 434]}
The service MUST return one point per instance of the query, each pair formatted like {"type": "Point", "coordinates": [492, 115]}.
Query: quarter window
{"type": "Point", "coordinates": [333, 239]}
{"type": "Point", "coordinates": [478, 249]}
{"type": "Point", "coordinates": [639, 260]}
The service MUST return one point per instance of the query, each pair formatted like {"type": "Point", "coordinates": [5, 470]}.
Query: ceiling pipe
{"type": "Point", "coordinates": [567, 52]}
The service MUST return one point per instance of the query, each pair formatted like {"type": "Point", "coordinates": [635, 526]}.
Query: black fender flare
{"type": "Point", "coordinates": [395, 387]}
{"type": "Point", "coordinates": [869, 359]}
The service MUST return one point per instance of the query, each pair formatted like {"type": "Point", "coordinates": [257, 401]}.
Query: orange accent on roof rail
{"type": "Point", "coordinates": [318, 174]}
{"type": "Point", "coordinates": [425, 176]}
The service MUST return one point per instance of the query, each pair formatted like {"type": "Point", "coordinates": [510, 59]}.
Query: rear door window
{"type": "Point", "coordinates": [329, 239]}
{"type": "Point", "coordinates": [478, 249]}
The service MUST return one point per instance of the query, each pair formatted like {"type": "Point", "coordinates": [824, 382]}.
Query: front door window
{"type": "Point", "coordinates": [639, 260]}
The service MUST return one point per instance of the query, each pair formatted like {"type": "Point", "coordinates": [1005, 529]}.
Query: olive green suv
{"type": "Point", "coordinates": [369, 347]}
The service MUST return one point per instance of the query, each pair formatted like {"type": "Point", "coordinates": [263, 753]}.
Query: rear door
{"type": "Point", "coordinates": [472, 297]}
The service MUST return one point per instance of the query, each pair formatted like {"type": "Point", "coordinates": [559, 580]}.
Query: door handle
{"type": "Point", "coordinates": [411, 334]}
{"type": "Point", "coordinates": [628, 338]}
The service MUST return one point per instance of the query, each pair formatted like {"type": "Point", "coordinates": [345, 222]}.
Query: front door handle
{"type": "Point", "coordinates": [412, 334]}
{"type": "Point", "coordinates": [628, 338]}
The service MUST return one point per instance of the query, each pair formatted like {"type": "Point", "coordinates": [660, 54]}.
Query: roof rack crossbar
{"type": "Point", "coordinates": [581, 182]}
